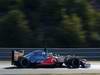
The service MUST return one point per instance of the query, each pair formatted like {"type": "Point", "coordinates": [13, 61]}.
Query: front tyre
{"type": "Point", "coordinates": [75, 63]}
{"type": "Point", "coordinates": [68, 62]}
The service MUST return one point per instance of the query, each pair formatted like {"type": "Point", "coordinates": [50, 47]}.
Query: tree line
{"type": "Point", "coordinates": [49, 23]}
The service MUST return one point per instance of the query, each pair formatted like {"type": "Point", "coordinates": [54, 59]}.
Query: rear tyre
{"type": "Point", "coordinates": [25, 63]}
{"type": "Point", "coordinates": [22, 63]}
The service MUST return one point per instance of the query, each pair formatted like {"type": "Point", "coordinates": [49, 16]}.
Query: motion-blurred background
{"type": "Point", "coordinates": [49, 23]}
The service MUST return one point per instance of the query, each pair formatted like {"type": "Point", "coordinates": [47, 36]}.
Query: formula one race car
{"type": "Point", "coordinates": [40, 58]}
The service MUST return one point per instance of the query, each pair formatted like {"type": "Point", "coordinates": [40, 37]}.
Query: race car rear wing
{"type": "Point", "coordinates": [13, 55]}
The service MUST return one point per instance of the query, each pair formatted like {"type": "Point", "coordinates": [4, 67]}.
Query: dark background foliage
{"type": "Point", "coordinates": [49, 23]}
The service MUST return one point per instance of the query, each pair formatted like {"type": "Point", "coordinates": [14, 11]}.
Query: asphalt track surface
{"type": "Point", "coordinates": [95, 68]}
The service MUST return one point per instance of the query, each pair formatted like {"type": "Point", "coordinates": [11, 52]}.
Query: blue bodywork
{"type": "Point", "coordinates": [36, 56]}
